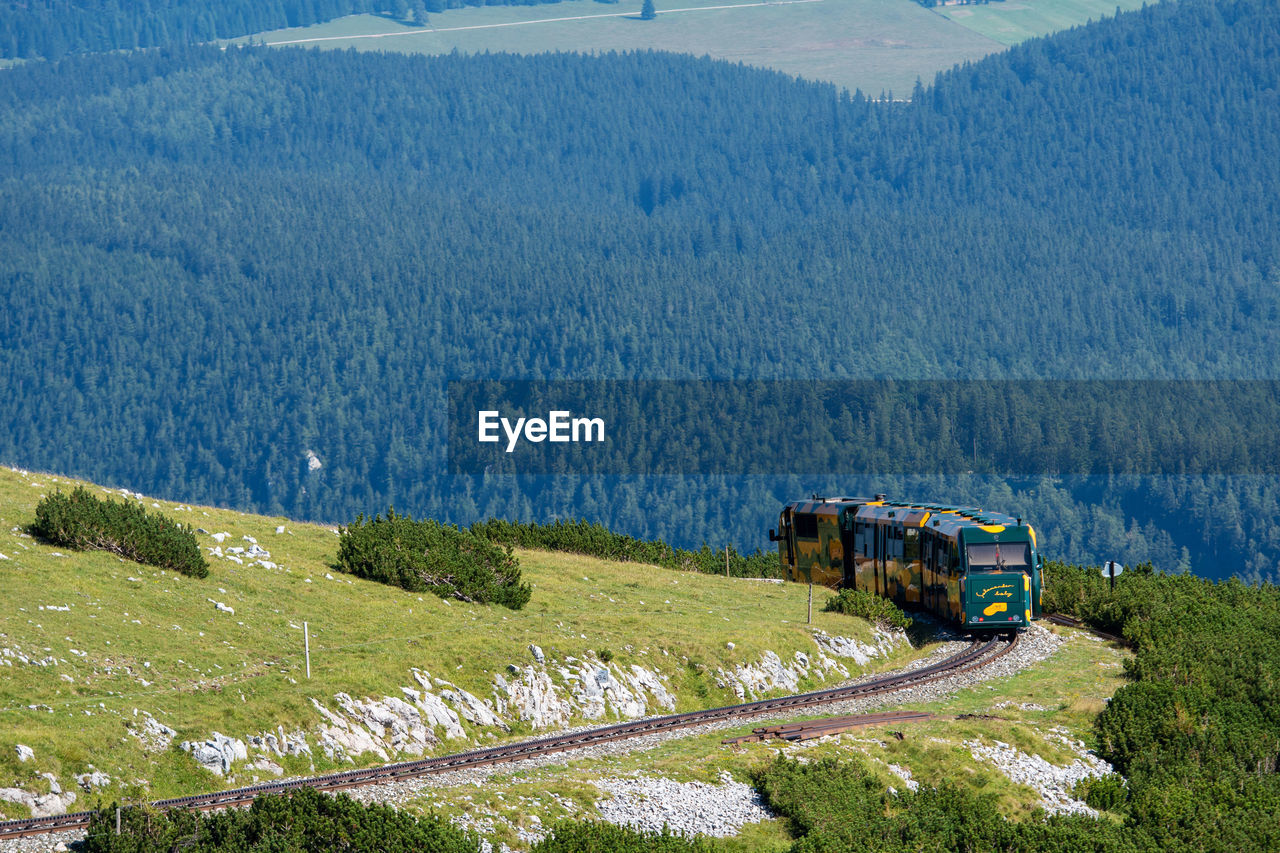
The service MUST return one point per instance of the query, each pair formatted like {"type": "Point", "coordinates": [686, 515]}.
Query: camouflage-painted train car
{"type": "Point", "coordinates": [980, 570]}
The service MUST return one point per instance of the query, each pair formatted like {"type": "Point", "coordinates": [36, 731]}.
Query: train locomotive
{"type": "Point", "coordinates": [978, 570]}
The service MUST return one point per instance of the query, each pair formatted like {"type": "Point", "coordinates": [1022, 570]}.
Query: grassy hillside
{"type": "Point", "coordinates": [105, 637]}
{"type": "Point", "coordinates": [133, 637]}
{"type": "Point", "coordinates": [873, 45]}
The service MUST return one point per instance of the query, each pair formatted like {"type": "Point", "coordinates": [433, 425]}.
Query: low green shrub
{"type": "Point", "coordinates": [86, 523]}
{"type": "Point", "coordinates": [1104, 793]}
{"type": "Point", "coordinates": [596, 540]}
{"type": "Point", "coordinates": [426, 556]}
{"type": "Point", "coordinates": [837, 806]}
{"type": "Point", "coordinates": [868, 605]}
{"type": "Point", "coordinates": [300, 821]}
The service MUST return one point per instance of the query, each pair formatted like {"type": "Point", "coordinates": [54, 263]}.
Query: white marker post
{"type": "Point", "coordinates": [306, 647]}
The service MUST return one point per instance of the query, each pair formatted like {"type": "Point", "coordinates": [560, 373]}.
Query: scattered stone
{"type": "Point", "coordinates": [25, 752]}
{"type": "Point", "coordinates": [95, 779]}
{"type": "Point", "coordinates": [537, 653]}
{"type": "Point", "coordinates": [691, 808]}
{"type": "Point", "coordinates": [1054, 784]}
{"type": "Point", "coordinates": [905, 775]}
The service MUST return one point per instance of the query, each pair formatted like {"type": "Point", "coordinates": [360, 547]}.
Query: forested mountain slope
{"type": "Point", "coordinates": [55, 28]}
{"type": "Point", "coordinates": [219, 265]}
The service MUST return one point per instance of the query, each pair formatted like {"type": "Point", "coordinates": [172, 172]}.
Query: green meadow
{"type": "Point", "coordinates": [878, 46]}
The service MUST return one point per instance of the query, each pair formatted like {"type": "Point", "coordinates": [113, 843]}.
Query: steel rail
{"type": "Point", "coordinates": [975, 655]}
{"type": "Point", "coordinates": [1073, 622]}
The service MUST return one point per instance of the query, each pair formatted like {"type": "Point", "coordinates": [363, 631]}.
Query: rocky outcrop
{"type": "Point", "coordinates": [385, 727]}
{"type": "Point", "coordinates": [280, 744]}
{"type": "Point", "coordinates": [56, 802]}
{"type": "Point", "coordinates": [599, 690]}
{"type": "Point", "coordinates": [550, 694]}
{"type": "Point", "coordinates": [531, 696]}
{"type": "Point", "coordinates": [436, 714]}
{"type": "Point", "coordinates": [884, 642]}
{"type": "Point", "coordinates": [473, 709]}
{"type": "Point", "coordinates": [751, 681]}
{"type": "Point", "coordinates": [218, 753]}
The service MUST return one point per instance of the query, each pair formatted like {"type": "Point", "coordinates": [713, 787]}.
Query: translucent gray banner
{"type": "Point", "coordinates": [1007, 428]}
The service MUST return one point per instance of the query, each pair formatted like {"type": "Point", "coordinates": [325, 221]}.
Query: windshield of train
{"type": "Point", "coordinates": [998, 556]}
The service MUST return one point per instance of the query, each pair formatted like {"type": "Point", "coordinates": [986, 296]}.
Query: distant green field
{"type": "Point", "coordinates": [874, 45]}
{"type": "Point", "coordinates": [1013, 21]}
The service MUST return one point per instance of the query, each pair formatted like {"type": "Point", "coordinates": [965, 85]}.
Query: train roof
{"type": "Point", "coordinates": [948, 520]}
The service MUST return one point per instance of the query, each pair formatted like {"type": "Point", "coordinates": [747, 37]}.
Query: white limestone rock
{"type": "Point", "coordinates": [473, 709]}
{"type": "Point", "coordinates": [40, 805]}
{"type": "Point", "coordinates": [266, 765]}
{"type": "Point", "coordinates": [532, 697]}
{"type": "Point", "coordinates": [278, 743]}
{"type": "Point", "coordinates": [93, 780]}
{"type": "Point", "coordinates": [436, 713]}
{"type": "Point", "coordinates": [218, 753]}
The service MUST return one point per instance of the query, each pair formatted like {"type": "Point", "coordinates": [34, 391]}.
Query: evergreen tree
{"type": "Point", "coordinates": [647, 12]}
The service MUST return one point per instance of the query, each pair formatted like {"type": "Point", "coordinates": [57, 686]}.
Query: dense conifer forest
{"type": "Point", "coordinates": [54, 28]}
{"type": "Point", "coordinates": [244, 276]}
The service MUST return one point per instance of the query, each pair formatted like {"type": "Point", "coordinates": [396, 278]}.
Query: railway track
{"type": "Point", "coordinates": [1073, 622]}
{"type": "Point", "coordinates": [977, 654]}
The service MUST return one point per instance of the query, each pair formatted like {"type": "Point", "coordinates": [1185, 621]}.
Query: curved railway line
{"type": "Point", "coordinates": [978, 653]}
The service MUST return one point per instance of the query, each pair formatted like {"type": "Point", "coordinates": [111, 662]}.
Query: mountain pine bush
{"type": "Point", "coordinates": [86, 523]}
{"type": "Point", "coordinates": [859, 602]}
{"type": "Point", "coordinates": [426, 556]}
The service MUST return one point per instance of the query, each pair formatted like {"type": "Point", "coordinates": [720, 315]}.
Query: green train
{"type": "Point", "coordinates": [979, 570]}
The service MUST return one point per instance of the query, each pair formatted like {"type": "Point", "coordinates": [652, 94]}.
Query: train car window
{"type": "Point", "coordinates": [911, 544]}
{"type": "Point", "coordinates": [806, 526]}
{"type": "Point", "coordinates": [994, 556]}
